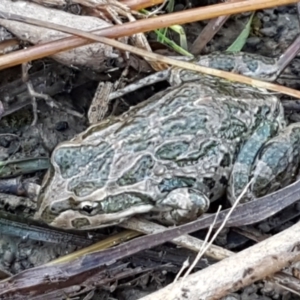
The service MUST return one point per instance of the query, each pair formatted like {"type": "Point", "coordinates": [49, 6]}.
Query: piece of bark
{"type": "Point", "coordinates": [240, 270]}
{"type": "Point", "coordinates": [95, 56]}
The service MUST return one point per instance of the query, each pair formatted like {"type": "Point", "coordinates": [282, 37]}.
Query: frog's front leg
{"type": "Point", "coordinates": [181, 205]}
{"type": "Point", "coordinates": [240, 175]}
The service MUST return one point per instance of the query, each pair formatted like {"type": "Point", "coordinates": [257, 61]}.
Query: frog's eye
{"type": "Point", "coordinates": [88, 207]}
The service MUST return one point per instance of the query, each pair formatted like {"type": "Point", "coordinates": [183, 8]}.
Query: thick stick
{"type": "Point", "coordinates": [237, 271]}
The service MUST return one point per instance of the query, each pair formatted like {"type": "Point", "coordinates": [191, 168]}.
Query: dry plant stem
{"type": "Point", "coordinates": [251, 233]}
{"type": "Point", "coordinates": [104, 244]}
{"type": "Point", "coordinates": [287, 281]}
{"type": "Point", "coordinates": [140, 26]}
{"type": "Point", "coordinates": [137, 5]}
{"type": "Point", "coordinates": [51, 2]}
{"type": "Point", "coordinates": [51, 102]}
{"type": "Point", "coordinates": [9, 46]}
{"type": "Point", "coordinates": [34, 95]}
{"type": "Point", "coordinates": [18, 90]}
{"type": "Point", "coordinates": [288, 55]}
{"type": "Point", "coordinates": [132, 4]}
{"type": "Point", "coordinates": [33, 101]}
{"type": "Point", "coordinates": [25, 78]}
{"type": "Point", "coordinates": [1, 109]}
{"type": "Point", "coordinates": [11, 225]}
{"type": "Point", "coordinates": [158, 9]}
{"type": "Point", "coordinates": [156, 57]}
{"type": "Point", "coordinates": [187, 241]}
{"type": "Point", "coordinates": [289, 289]}
{"type": "Point", "coordinates": [237, 271]}
{"type": "Point", "coordinates": [183, 267]}
{"type": "Point", "coordinates": [205, 247]}
{"type": "Point", "coordinates": [146, 81]}
{"type": "Point", "coordinates": [208, 33]}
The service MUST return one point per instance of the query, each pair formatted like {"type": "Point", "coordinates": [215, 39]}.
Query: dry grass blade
{"type": "Point", "coordinates": [207, 34]}
{"type": "Point", "coordinates": [107, 243]}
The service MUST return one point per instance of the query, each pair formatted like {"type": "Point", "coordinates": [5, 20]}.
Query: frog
{"type": "Point", "coordinates": [169, 157]}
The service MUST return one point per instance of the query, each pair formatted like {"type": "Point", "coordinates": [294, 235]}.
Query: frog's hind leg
{"type": "Point", "coordinates": [277, 164]}
{"type": "Point", "coordinates": [240, 175]}
{"type": "Point", "coordinates": [181, 205]}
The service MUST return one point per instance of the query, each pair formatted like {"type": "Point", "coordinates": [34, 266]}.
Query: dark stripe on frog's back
{"type": "Point", "coordinates": [135, 135]}
{"type": "Point", "coordinates": [172, 150]}
{"type": "Point", "coordinates": [138, 172]}
{"type": "Point", "coordinates": [135, 130]}
{"type": "Point", "coordinates": [207, 148]}
{"type": "Point", "coordinates": [190, 125]}
{"type": "Point", "coordinates": [87, 166]}
{"type": "Point", "coordinates": [95, 175]}
{"type": "Point", "coordinates": [148, 123]}
{"type": "Point", "coordinates": [169, 184]}
{"type": "Point", "coordinates": [72, 158]}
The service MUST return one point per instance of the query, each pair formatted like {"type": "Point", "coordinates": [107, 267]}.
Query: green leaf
{"type": "Point", "coordinates": [161, 35]}
{"type": "Point", "coordinates": [172, 44]}
{"type": "Point", "coordinates": [240, 41]}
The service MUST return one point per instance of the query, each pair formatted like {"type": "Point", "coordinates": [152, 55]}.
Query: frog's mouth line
{"type": "Point", "coordinates": [109, 205]}
{"type": "Point", "coordinates": [77, 220]}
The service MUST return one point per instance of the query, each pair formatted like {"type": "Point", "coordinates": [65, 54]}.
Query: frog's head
{"type": "Point", "coordinates": [74, 193]}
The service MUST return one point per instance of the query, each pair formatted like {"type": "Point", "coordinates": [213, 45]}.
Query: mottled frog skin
{"type": "Point", "coordinates": [170, 156]}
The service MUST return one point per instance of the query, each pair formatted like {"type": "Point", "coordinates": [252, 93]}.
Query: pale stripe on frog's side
{"type": "Point", "coordinates": [170, 155]}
